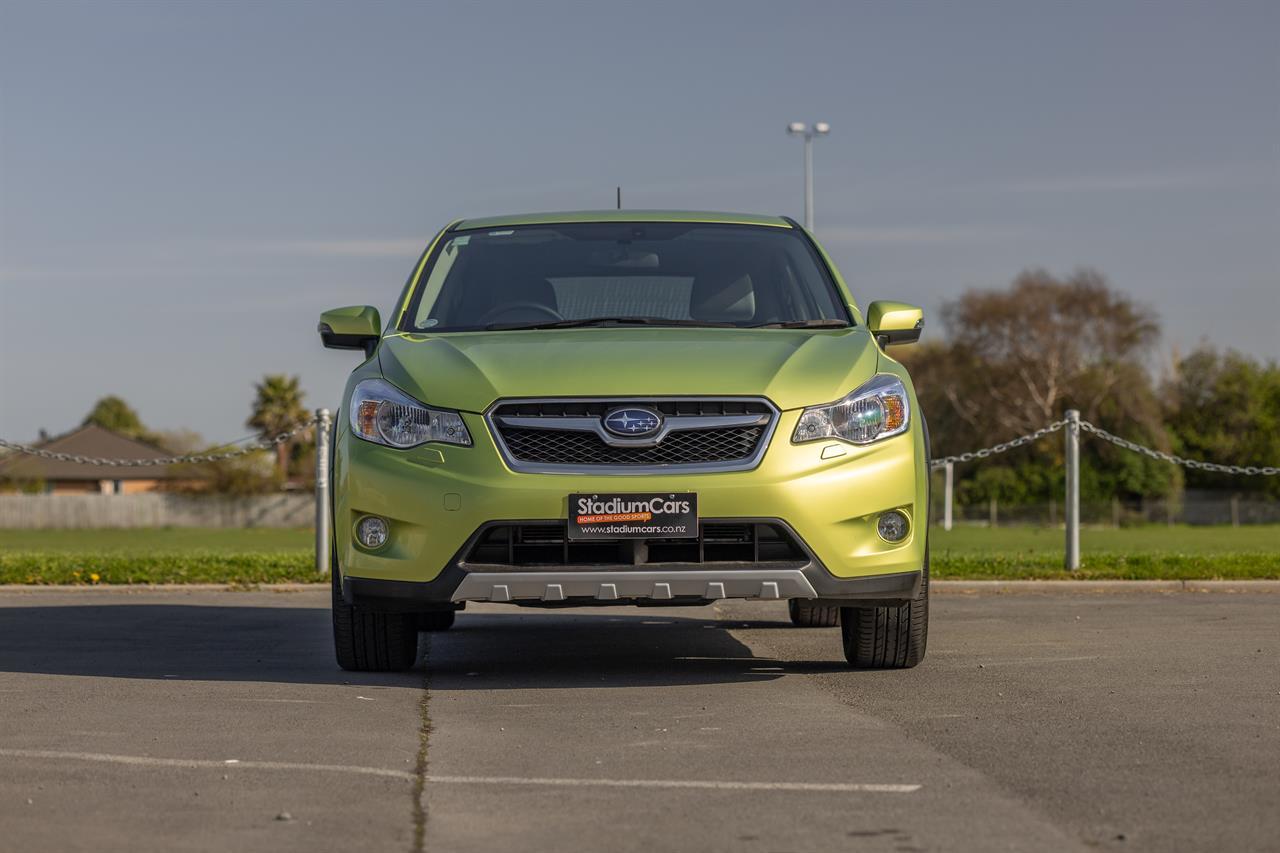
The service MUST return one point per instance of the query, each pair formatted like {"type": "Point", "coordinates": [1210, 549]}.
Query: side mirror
{"type": "Point", "coordinates": [895, 322]}
{"type": "Point", "coordinates": [354, 327]}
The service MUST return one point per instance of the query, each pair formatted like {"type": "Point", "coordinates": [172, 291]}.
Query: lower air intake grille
{"type": "Point", "coordinates": [545, 544]}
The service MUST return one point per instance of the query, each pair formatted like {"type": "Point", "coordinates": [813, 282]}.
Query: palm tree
{"type": "Point", "coordinates": [278, 408]}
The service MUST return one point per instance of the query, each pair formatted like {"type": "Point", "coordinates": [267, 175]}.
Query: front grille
{"type": "Point", "coordinates": [562, 434]}
{"type": "Point", "coordinates": [546, 544]}
{"type": "Point", "coordinates": [568, 447]}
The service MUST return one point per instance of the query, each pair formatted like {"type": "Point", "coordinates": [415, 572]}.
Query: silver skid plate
{"type": "Point", "coordinates": [654, 585]}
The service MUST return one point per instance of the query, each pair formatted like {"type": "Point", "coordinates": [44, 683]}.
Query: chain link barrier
{"type": "Point", "coordinates": [267, 442]}
{"type": "Point", "coordinates": [1086, 427]}
{"type": "Point", "coordinates": [1000, 448]}
{"type": "Point", "coordinates": [1251, 470]}
{"type": "Point", "coordinates": [262, 442]}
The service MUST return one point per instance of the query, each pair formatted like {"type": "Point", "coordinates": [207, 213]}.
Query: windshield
{"type": "Point", "coordinates": [643, 273]}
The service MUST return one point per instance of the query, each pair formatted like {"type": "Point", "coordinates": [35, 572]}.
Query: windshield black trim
{"type": "Point", "coordinates": [405, 324]}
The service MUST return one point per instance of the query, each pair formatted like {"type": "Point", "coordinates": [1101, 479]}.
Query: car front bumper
{"type": "Point", "coordinates": [438, 499]}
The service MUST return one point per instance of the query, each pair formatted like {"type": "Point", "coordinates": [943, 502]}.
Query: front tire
{"type": "Point", "coordinates": [891, 637]}
{"type": "Point", "coordinates": [806, 614]}
{"type": "Point", "coordinates": [371, 640]}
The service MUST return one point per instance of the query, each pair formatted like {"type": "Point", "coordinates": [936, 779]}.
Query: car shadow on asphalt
{"type": "Point", "coordinates": [560, 648]}
{"type": "Point", "coordinates": [539, 649]}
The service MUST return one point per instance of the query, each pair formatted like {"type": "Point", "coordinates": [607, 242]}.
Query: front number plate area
{"type": "Point", "coordinates": [648, 515]}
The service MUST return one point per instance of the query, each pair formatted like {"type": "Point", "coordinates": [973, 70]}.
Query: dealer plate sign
{"type": "Point", "coordinates": [649, 515]}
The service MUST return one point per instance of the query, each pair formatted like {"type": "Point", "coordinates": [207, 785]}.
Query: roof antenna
{"type": "Point", "coordinates": [619, 198]}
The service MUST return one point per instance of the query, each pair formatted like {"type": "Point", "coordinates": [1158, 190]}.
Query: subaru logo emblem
{"type": "Point", "coordinates": [632, 422]}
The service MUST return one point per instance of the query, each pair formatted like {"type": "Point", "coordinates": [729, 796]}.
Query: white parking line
{"type": "Point", "coordinates": [202, 763]}
{"type": "Point", "coordinates": [232, 763]}
{"type": "Point", "coordinates": [843, 787]}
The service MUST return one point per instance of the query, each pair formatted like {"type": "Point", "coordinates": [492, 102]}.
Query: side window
{"type": "Point", "coordinates": [788, 295]}
{"type": "Point", "coordinates": [435, 280]}
{"type": "Point", "coordinates": [798, 295]}
{"type": "Point", "coordinates": [814, 299]}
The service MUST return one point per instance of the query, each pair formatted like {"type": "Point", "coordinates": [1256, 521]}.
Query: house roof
{"type": "Point", "coordinates": [89, 440]}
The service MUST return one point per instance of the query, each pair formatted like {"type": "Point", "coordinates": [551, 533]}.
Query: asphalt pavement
{"type": "Point", "coordinates": [1059, 719]}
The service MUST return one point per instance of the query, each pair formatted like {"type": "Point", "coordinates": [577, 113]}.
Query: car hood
{"type": "Point", "coordinates": [470, 370]}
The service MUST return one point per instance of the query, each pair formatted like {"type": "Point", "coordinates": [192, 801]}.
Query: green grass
{"type": "Point", "coordinates": [168, 539]}
{"type": "Point", "coordinates": [162, 555]}
{"type": "Point", "coordinates": [236, 568]}
{"type": "Point", "coordinates": [1258, 539]}
{"type": "Point", "coordinates": [255, 556]}
{"type": "Point", "coordinates": [1132, 553]}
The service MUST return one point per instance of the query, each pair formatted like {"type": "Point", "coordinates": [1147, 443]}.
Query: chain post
{"type": "Point", "coordinates": [1072, 510]}
{"type": "Point", "coordinates": [947, 492]}
{"type": "Point", "coordinates": [322, 491]}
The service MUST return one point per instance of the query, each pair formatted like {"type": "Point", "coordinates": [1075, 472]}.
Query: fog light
{"type": "Point", "coordinates": [892, 526]}
{"type": "Point", "coordinates": [372, 531]}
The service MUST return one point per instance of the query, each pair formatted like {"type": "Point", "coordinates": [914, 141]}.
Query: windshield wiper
{"type": "Point", "coordinates": [603, 321]}
{"type": "Point", "coordinates": [803, 324]}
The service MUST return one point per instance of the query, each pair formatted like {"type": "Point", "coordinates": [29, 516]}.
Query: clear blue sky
{"type": "Point", "coordinates": [185, 186]}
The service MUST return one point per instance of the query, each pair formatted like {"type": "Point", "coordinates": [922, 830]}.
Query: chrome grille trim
{"type": "Point", "coordinates": [763, 422]}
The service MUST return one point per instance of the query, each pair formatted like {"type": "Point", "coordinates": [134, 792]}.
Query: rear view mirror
{"type": "Point", "coordinates": [354, 327]}
{"type": "Point", "coordinates": [895, 322]}
{"type": "Point", "coordinates": [625, 257]}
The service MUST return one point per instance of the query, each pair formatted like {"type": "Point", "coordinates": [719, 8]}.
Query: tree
{"type": "Point", "coordinates": [1225, 408]}
{"type": "Point", "coordinates": [1047, 344]}
{"type": "Point", "coordinates": [277, 409]}
{"type": "Point", "coordinates": [1016, 359]}
{"type": "Point", "coordinates": [251, 474]}
{"type": "Point", "coordinates": [180, 442]}
{"type": "Point", "coordinates": [254, 473]}
{"type": "Point", "coordinates": [115, 414]}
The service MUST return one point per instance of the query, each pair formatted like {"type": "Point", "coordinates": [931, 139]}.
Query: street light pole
{"type": "Point", "coordinates": [808, 132]}
{"type": "Point", "coordinates": [808, 182]}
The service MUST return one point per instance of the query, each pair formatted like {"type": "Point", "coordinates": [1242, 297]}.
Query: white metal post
{"type": "Point", "coordinates": [1073, 490]}
{"type": "Point", "coordinates": [946, 500]}
{"type": "Point", "coordinates": [808, 182]}
{"type": "Point", "coordinates": [322, 491]}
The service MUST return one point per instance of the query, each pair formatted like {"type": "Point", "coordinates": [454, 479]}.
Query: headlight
{"type": "Point", "coordinates": [877, 410]}
{"type": "Point", "coordinates": [384, 414]}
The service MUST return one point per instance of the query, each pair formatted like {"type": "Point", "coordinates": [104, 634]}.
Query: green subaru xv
{"type": "Point", "coordinates": [628, 407]}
